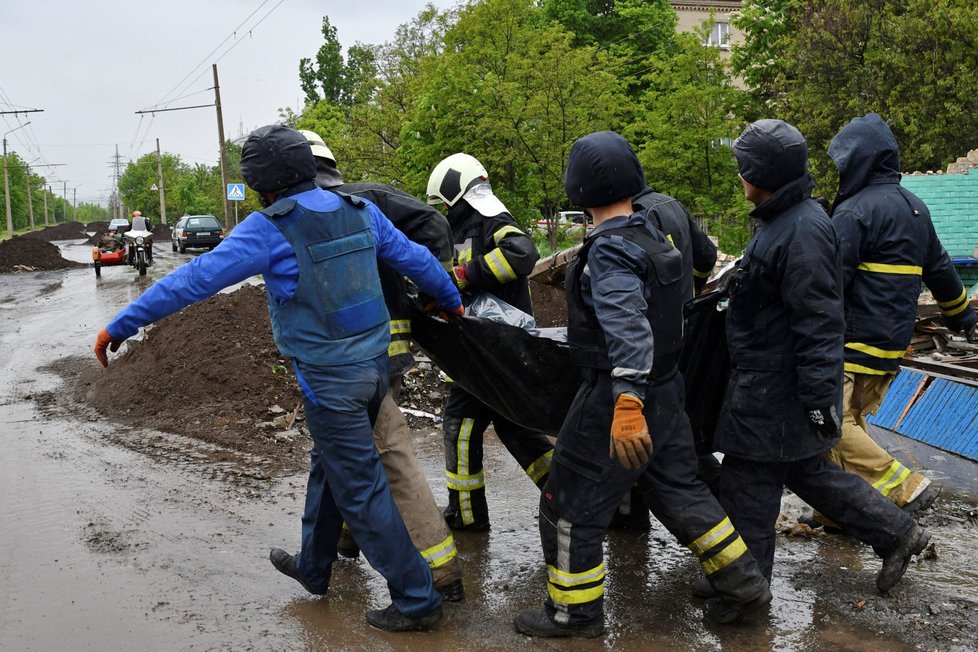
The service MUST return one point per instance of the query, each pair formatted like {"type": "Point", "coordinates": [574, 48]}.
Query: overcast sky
{"type": "Point", "coordinates": [91, 64]}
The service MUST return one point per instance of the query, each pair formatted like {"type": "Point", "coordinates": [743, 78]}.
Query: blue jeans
{"type": "Point", "coordinates": [347, 483]}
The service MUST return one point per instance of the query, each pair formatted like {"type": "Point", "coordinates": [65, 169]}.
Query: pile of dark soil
{"type": "Point", "coordinates": [211, 372]}
{"type": "Point", "coordinates": [96, 238]}
{"type": "Point", "coordinates": [96, 226]}
{"type": "Point", "coordinates": [33, 252]}
{"type": "Point", "coordinates": [66, 231]}
{"type": "Point", "coordinates": [161, 233]}
{"type": "Point", "coordinates": [549, 305]}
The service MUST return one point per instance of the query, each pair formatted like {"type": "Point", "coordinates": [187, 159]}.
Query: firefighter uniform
{"type": "Point", "coordinates": [392, 436]}
{"type": "Point", "coordinates": [785, 334]}
{"type": "Point", "coordinates": [889, 247]}
{"type": "Point", "coordinates": [497, 257]}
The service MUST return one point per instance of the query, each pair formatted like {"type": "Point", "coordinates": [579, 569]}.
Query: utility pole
{"type": "Point", "coordinates": [64, 200]}
{"type": "Point", "coordinates": [6, 182]}
{"type": "Point", "coordinates": [45, 194]}
{"type": "Point", "coordinates": [159, 173]}
{"type": "Point", "coordinates": [74, 204]}
{"type": "Point", "coordinates": [220, 139]}
{"type": "Point", "coordinates": [30, 201]}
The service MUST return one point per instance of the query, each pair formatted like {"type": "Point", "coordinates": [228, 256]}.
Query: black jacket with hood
{"type": "Point", "coordinates": [888, 247]}
{"type": "Point", "coordinates": [784, 323]}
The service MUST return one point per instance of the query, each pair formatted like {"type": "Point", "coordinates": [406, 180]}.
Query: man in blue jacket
{"type": "Point", "coordinates": [888, 247]}
{"type": "Point", "coordinates": [785, 334]}
{"type": "Point", "coordinates": [317, 252]}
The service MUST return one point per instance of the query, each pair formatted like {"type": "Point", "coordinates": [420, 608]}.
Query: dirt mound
{"type": "Point", "coordinates": [97, 238]}
{"type": "Point", "coordinates": [33, 252]}
{"type": "Point", "coordinates": [161, 233]}
{"type": "Point", "coordinates": [210, 372]}
{"type": "Point", "coordinates": [67, 231]}
{"type": "Point", "coordinates": [549, 305]}
{"type": "Point", "coordinates": [96, 226]}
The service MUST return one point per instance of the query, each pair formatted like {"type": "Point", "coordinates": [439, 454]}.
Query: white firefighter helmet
{"type": "Point", "coordinates": [453, 176]}
{"type": "Point", "coordinates": [319, 148]}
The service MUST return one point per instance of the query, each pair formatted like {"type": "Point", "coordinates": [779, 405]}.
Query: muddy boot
{"type": "Point", "coordinates": [477, 517]}
{"type": "Point", "coordinates": [895, 564]}
{"type": "Point", "coordinates": [346, 546]}
{"type": "Point", "coordinates": [703, 589]}
{"type": "Point", "coordinates": [722, 611]}
{"type": "Point", "coordinates": [924, 500]}
{"type": "Point", "coordinates": [453, 591]}
{"type": "Point", "coordinates": [535, 622]}
{"type": "Point", "coordinates": [285, 564]}
{"type": "Point", "coordinates": [392, 620]}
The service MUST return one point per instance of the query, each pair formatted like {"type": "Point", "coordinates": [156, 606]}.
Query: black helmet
{"type": "Point", "coordinates": [771, 153]}
{"type": "Point", "coordinates": [276, 158]}
{"type": "Point", "coordinates": [602, 169]}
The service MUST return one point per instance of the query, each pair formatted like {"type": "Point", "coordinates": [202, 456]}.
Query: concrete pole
{"type": "Point", "coordinates": [6, 192]}
{"type": "Point", "coordinates": [64, 201]}
{"type": "Point", "coordinates": [220, 140]}
{"type": "Point", "coordinates": [159, 173]}
{"type": "Point", "coordinates": [45, 195]}
{"type": "Point", "coordinates": [74, 204]}
{"type": "Point", "coordinates": [30, 201]}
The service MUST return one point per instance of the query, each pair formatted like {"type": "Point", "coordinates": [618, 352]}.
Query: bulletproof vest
{"type": "Point", "coordinates": [337, 314]}
{"type": "Point", "coordinates": [664, 295]}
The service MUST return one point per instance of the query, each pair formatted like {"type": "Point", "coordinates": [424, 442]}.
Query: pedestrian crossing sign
{"type": "Point", "coordinates": [236, 192]}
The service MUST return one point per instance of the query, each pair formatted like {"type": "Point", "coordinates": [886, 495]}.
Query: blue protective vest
{"type": "Point", "coordinates": [337, 314]}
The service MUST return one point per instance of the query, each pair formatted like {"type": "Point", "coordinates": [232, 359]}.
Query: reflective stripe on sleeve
{"type": "Point", "coordinates": [869, 349]}
{"type": "Point", "coordinates": [852, 367]}
{"type": "Point", "coordinates": [505, 231]}
{"type": "Point", "coordinates": [398, 347]}
{"type": "Point", "coordinates": [698, 274]}
{"type": "Point", "coordinates": [951, 308]}
{"type": "Point", "coordinates": [887, 268]}
{"type": "Point", "coordinates": [400, 326]}
{"type": "Point", "coordinates": [499, 266]}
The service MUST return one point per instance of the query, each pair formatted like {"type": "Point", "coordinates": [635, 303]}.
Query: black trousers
{"type": "Point", "coordinates": [586, 486]}
{"type": "Point", "coordinates": [466, 420]}
{"type": "Point", "coordinates": [751, 493]}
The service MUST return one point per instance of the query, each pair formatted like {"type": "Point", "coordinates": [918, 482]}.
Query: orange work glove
{"type": "Point", "coordinates": [630, 440]}
{"type": "Point", "coordinates": [458, 274]}
{"type": "Point", "coordinates": [103, 342]}
{"type": "Point", "coordinates": [445, 314]}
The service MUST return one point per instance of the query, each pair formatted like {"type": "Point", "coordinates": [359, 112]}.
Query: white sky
{"type": "Point", "coordinates": [90, 64]}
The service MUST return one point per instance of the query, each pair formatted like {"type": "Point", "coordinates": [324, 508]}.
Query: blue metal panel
{"type": "Point", "coordinates": [941, 417]}
{"type": "Point", "coordinates": [898, 396]}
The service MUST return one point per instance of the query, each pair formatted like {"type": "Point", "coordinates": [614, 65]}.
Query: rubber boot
{"type": "Point", "coordinates": [895, 564]}
{"type": "Point", "coordinates": [479, 511]}
{"type": "Point", "coordinates": [535, 622]}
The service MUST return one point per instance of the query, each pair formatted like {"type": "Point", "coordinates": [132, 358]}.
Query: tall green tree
{"type": "Point", "coordinates": [323, 79]}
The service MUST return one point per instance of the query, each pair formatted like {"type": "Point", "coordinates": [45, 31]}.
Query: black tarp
{"type": "Point", "coordinates": [531, 381]}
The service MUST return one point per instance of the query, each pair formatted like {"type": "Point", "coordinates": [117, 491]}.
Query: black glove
{"type": "Point", "coordinates": [963, 322]}
{"type": "Point", "coordinates": [825, 421]}
{"type": "Point", "coordinates": [971, 333]}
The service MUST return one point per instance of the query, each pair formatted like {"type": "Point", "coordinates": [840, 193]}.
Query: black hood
{"type": "Point", "coordinates": [602, 169]}
{"type": "Point", "coordinates": [771, 153]}
{"type": "Point", "coordinates": [327, 176]}
{"type": "Point", "coordinates": [864, 151]}
{"type": "Point", "coordinates": [276, 158]}
{"type": "Point", "coordinates": [784, 198]}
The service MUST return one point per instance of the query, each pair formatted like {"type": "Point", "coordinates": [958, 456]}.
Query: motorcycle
{"type": "Point", "coordinates": [138, 242]}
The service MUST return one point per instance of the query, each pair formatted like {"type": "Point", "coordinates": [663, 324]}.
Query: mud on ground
{"type": "Point", "coordinates": [33, 252]}
{"type": "Point", "coordinates": [66, 231]}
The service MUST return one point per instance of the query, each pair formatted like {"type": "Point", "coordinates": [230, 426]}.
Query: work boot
{"type": "Point", "coordinates": [536, 622]}
{"type": "Point", "coordinates": [346, 546]}
{"type": "Point", "coordinates": [924, 500]}
{"type": "Point", "coordinates": [702, 588]}
{"type": "Point", "coordinates": [285, 564]}
{"type": "Point", "coordinates": [452, 591]}
{"type": "Point", "coordinates": [723, 611]}
{"type": "Point", "coordinates": [895, 564]}
{"type": "Point", "coordinates": [480, 512]}
{"type": "Point", "coordinates": [392, 620]}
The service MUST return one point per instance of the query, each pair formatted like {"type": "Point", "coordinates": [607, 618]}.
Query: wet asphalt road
{"type": "Point", "coordinates": [104, 548]}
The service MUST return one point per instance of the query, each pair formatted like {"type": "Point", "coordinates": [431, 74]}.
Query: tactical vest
{"type": "Point", "coordinates": [337, 314]}
{"type": "Point", "coordinates": [664, 294]}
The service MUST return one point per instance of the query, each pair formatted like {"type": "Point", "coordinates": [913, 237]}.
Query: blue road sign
{"type": "Point", "coordinates": [236, 191]}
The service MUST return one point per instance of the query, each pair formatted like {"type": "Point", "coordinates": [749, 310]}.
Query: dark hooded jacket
{"type": "Point", "coordinates": [672, 218]}
{"type": "Point", "coordinates": [784, 329]}
{"type": "Point", "coordinates": [416, 220]}
{"type": "Point", "coordinates": [889, 247]}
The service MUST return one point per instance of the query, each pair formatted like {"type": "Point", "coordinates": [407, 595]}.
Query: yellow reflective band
{"type": "Point", "coordinates": [887, 268]}
{"type": "Point", "coordinates": [698, 274]}
{"type": "Point", "coordinates": [540, 467]}
{"type": "Point", "coordinates": [439, 555]}
{"type": "Point", "coordinates": [887, 483]}
{"type": "Point", "coordinates": [505, 231]}
{"type": "Point", "coordinates": [718, 533]}
{"type": "Point", "coordinates": [575, 596]}
{"type": "Point", "coordinates": [951, 304]}
{"type": "Point", "coordinates": [725, 557]}
{"type": "Point", "coordinates": [460, 482]}
{"type": "Point", "coordinates": [669, 238]}
{"type": "Point", "coordinates": [868, 349]}
{"type": "Point", "coordinates": [398, 347]}
{"type": "Point", "coordinates": [952, 312]}
{"type": "Point", "coordinates": [345, 526]}
{"type": "Point", "coordinates": [465, 255]}
{"type": "Point", "coordinates": [400, 326]}
{"type": "Point", "coordinates": [852, 367]}
{"type": "Point", "coordinates": [565, 578]}
{"type": "Point", "coordinates": [499, 266]}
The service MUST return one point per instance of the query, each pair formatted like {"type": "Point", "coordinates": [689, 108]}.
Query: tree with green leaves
{"type": "Point", "coordinates": [324, 78]}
